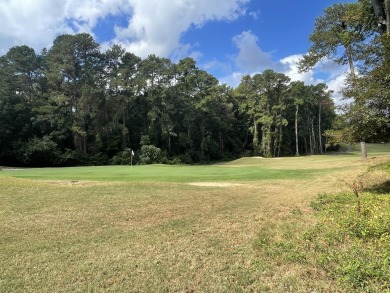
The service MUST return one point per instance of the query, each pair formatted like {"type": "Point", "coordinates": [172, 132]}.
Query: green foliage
{"type": "Point", "coordinates": [344, 25]}
{"type": "Point", "coordinates": [351, 248]}
{"type": "Point", "coordinates": [122, 158]}
{"type": "Point", "coordinates": [98, 104]}
{"type": "Point", "coordinates": [354, 249]}
{"type": "Point", "coordinates": [145, 140]}
{"type": "Point", "coordinates": [270, 102]}
{"type": "Point", "coordinates": [95, 159]}
{"type": "Point", "coordinates": [38, 151]}
{"type": "Point", "coordinates": [353, 27]}
{"type": "Point", "coordinates": [150, 154]}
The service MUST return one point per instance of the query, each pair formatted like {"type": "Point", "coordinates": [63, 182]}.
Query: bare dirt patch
{"type": "Point", "coordinates": [216, 184]}
{"type": "Point", "coordinates": [76, 182]}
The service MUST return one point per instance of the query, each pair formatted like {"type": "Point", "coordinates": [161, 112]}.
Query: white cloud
{"type": "Point", "coordinates": [90, 11]}
{"type": "Point", "coordinates": [29, 22]}
{"type": "Point", "coordinates": [290, 68]}
{"type": "Point", "coordinates": [155, 26]}
{"type": "Point", "coordinates": [336, 84]}
{"type": "Point", "coordinates": [37, 22]}
{"type": "Point", "coordinates": [334, 76]}
{"type": "Point", "coordinates": [232, 79]}
{"type": "Point", "coordinates": [250, 57]}
{"type": "Point", "coordinates": [254, 14]}
{"type": "Point", "coordinates": [185, 50]}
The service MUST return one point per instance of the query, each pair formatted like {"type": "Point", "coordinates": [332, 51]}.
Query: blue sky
{"type": "Point", "coordinates": [228, 38]}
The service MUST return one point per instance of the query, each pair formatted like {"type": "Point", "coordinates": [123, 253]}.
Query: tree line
{"type": "Point", "coordinates": [74, 104]}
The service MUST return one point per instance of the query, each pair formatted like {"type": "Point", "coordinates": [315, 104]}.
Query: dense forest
{"type": "Point", "coordinates": [74, 104]}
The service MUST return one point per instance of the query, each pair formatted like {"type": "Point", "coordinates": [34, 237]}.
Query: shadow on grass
{"type": "Point", "coordinates": [381, 188]}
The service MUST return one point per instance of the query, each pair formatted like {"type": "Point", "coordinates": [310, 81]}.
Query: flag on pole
{"type": "Point", "coordinates": [132, 152]}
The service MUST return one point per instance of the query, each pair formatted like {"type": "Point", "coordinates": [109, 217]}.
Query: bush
{"type": "Point", "coordinates": [150, 154]}
{"type": "Point", "coordinates": [176, 161]}
{"type": "Point", "coordinates": [38, 152]}
{"type": "Point", "coordinates": [98, 159]}
{"type": "Point", "coordinates": [122, 158]}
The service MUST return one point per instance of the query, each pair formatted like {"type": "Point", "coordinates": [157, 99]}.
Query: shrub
{"type": "Point", "coordinates": [38, 151]}
{"type": "Point", "coordinates": [122, 158]}
{"type": "Point", "coordinates": [97, 159]}
{"type": "Point", "coordinates": [150, 154]}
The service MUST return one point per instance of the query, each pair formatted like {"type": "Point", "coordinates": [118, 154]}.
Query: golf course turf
{"type": "Point", "coordinates": [230, 227]}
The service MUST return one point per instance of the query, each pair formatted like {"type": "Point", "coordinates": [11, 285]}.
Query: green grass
{"type": "Point", "coordinates": [145, 229]}
{"type": "Point", "coordinates": [376, 149]}
{"type": "Point", "coordinates": [373, 149]}
{"type": "Point", "coordinates": [354, 248]}
{"type": "Point", "coordinates": [246, 169]}
{"type": "Point", "coordinates": [162, 173]}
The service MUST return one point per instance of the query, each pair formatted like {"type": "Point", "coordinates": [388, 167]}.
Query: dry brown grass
{"type": "Point", "coordinates": [60, 236]}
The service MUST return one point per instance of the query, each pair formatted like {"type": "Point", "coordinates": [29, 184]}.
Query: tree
{"type": "Point", "coordinates": [367, 118]}
{"type": "Point", "coordinates": [18, 98]}
{"type": "Point", "coordinates": [158, 74]}
{"type": "Point", "coordinates": [117, 123]}
{"type": "Point", "coordinates": [185, 91]}
{"type": "Point", "coordinates": [73, 104]}
{"type": "Point", "coordinates": [248, 92]}
{"type": "Point", "coordinates": [343, 25]}
{"type": "Point", "coordinates": [382, 13]}
{"type": "Point", "coordinates": [264, 97]}
{"type": "Point", "coordinates": [297, 92]}
{"type": "Point", "coordinates": [74, 73]}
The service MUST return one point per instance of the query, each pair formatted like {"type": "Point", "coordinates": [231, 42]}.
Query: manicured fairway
{"type": "Point", "coordinates": [247, 169]}
{"type": "Point", "coordinates": [161, 173]}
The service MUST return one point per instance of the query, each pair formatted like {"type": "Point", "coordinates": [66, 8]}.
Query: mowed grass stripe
{"type": "Point", "coordinates": [166, 173]}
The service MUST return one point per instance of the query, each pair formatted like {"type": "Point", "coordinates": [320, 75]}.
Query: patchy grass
{"type": "Point", "coordinates": [157, 233]}
{"type": "Point", "coordinates": [350, 245]}
{"type": "Point", "coordinates": [354, 249]}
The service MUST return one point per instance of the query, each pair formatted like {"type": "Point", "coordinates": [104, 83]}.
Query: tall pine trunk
{"type": "Point", "coordinates": [315, 149]}
{"type": "Point", "coordinates": [280, 136]}
{"type": "Point", "coordinates": [319, 128]}
{"type": "Point", "coordinates": [202, 127]}
{"type": "Point", "coordinates": [296, 130]}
